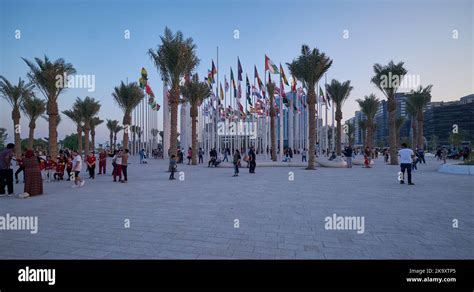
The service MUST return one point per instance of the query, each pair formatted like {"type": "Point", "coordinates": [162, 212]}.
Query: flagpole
{"type": "Point", "coordinates": [327, 104]}
{"type": "Point", "coordinates": [281, 118]}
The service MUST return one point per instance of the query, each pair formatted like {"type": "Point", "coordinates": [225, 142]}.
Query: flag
{"type": "Point", "coordinates": [213, 69]}
{"type": "Point", "coordinates": [293, 85]}
{"type": "Point", "coordinates": [222, 91]}
{"type": "Point", "coordinates": [226, 84]}
{"type": "Point", "coordinates": [239, 91]}
{"type": "Point", "coordinates": [270, 66]}
{"type": "Point", "coordinates": [321, 94]}
{"type": "Point", "coordinates": [283, 76]}
{"type": "Point", "coordinates": [233, 81]}
{"type": "Point", "coordinates": [239, 70]}
{"type": "Point", "coordinates": [247, 82]}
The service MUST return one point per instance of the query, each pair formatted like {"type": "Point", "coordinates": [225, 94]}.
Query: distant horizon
{"type": "Point", "coordinates": [419, 33]}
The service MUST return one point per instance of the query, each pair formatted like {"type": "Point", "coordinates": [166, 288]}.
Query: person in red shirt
{"type": "Point", "coordinates": [102, 161]}
{"type": "Point", "coordinates": [91, 164]}
{"type": "Point", "coordinates": [42, 167]}
{"type": "Point", "coordinates": [60, 166]}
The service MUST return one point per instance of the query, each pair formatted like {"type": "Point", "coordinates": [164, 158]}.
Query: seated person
{"type": "Point", "coordinates": [333, 156]}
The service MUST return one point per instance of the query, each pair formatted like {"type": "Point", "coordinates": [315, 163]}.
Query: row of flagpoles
{"type": "Point", "coordinates": [225, 104]}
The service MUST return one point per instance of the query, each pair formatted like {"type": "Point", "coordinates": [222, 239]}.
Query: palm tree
{"type": "Point", "coordinates": [174, 58]}
{"type": "Point", "coordinates": [127, 96]}
{"type": "Point", "coordinates": [420, 98]}
{"type": "Point", "coordinates": [411, 109]}
{"type": "Point", "coordinates": [383, 80]}
{"type": "Point", "coordinates": [338, 92]}
{"type": "Point", "coordinates": [94, 123]}
{"type": "Point", "coordinates": [33, 107]}
{"type": "Point", "coordinates": [399, 122]}
{"type": "Point", "coordinates": [116, 130]}
{"type": "Point", "coordinates": [111, 125]}
{"type": "Point", "coordinates": [44, 74]}
{"type": "Point", "coordinates": [308, 68]}
{"type": "Point", "coordinates": [89, 108]}
{"type": "Point", "coordinates": [195, 92]}
{"type": "Point", "coordinates": [363, 128]}
{"type": "Point", "coordinates": [76, 116]}
{"type": "Point", "coordinates": [350, 132]}
{"type": "Point", "coordinates": [369, 106]}
{"type": "Point", "coordinates": [14, 95]}
{"type": "Point", "coordinates": [271, 94]}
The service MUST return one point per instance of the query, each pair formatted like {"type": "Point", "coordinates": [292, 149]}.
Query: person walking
{"type": "Point", "coordinates": [406, 158]}
{"type": "Point", "coordinates": [6, 173]}
{"type": "Point", "coordinates": [102, 161]}
{"type": "Point", "coordinates": [33, 180]}
{"type": "Point", "coordinates": [304, 153]}
{"type": "Point", "coordinates": [77, 168]}
{"type": "Point", "coordinates": [348, 153]}
{"type": "Point", "coordinates": [172, 166]}
{"type": "Point", "coordinates": [125, 166]}
{"type": "Point", "coordinates": [444, 154]}
{"type": "Point", "coordinates": [252, 158]}
{"type": "Point", "coordinates": [367, 157]}
{"type": "Point", "coordinates": [21, 168]}
{"type": "Point", "coordinates": [236, 162]}
{"type": "Point", "coordinates": [201, 155]}
{"type": "Point", "coordinates": [90, 161]}
{"type": "Point", "coordinates": [118, 166]}
{"type": "Point", "coordinates": [190, 155]}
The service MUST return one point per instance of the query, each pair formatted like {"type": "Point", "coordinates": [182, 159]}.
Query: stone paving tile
{"type": "Point", "coordinates": [278, 219]}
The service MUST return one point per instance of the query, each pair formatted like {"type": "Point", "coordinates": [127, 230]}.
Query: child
{"type": "Point", "coordinates": [367, 157]}
{"type": "Point", "coordinates": [59, 174]}
{"type": "Point", "coordinates": [172, 166]}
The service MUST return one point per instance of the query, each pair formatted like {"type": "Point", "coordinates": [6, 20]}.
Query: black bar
{"type": "Point", "coordinates": [241, 273]}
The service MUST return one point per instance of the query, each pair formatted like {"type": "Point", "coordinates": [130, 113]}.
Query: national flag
{"type": "Point", "coordinates": [270, 66]}
{"type": "Point", "coordinates": [239, 91]}
{"type": "Point", "coordinates": [321, 94]}
{"type": "Point", "coordinates": [213, 69]}
{"type": "Point", "coordinates": [283, 76]}
{"type": "Point", "coordinates": [247, 82]}
{"type": "Point", "coordinates": [226, 84]}
{"type": "Point", "coordinates": [222, 91]}
{"type": "Point", "coordinates": [233, 81]}
{"type": "Point", "coordinates": [293, 85]}
{"type": "Point", "coordinates": [239, 70]}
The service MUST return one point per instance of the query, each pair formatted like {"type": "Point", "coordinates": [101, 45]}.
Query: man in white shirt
{"type": "Point", "coordinates": [76, 169]}
{"type": "Point", "coordinates": [406, 159]}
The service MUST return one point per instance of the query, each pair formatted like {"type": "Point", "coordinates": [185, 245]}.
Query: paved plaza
{"type": "Point", "coordinates": [211, 214]}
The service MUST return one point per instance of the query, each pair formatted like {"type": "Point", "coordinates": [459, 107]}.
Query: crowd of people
{"type": "Point", "coordinates": [37, 168]}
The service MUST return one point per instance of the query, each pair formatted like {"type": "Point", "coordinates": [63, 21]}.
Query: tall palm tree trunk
{"type": "Point", "coordinates": [92, 140]}
{"type": "Point", "coordinates": [338, 130]}
{"type": "Point", "coordinates": [370, 134]}
{"type": "Point", "coordinates": [111, 137]}
{"type": "Point", "coordinates": [31, 134]}
{"type": "Point", "coordinates": [174, 100]}
{"type": "Point", "coordinates": [392, 130]}
{"type": "Point", "coordinates": [414, 133]}
{"type": "Point", "coordinates": [194, 144]}
{"type": "Point", "coordinates": [86, 140]}
{"type": "Point", "coordinates": [53, 131]}
{"type": "Point", "coordinates": [16, 123]}
{"type": "Point", "coordinates": [273, 130]}
{"type": "Point", "coordinates": [127, 119]}
{"type": "Point", "coordinates": [420, 140]}
{"type": "Point", "coordinates": [79, 140]}
{"type": "Point", "coordinates": [311, 127]}
{"type": "Point", "coordinates": [115, 141]}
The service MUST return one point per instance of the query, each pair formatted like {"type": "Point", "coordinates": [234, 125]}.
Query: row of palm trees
{"type": "Point", "coordinates": [175, 58]}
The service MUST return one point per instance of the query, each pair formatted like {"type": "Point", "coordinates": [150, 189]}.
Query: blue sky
{"type": "Point", "coordinates": [90, 35]}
